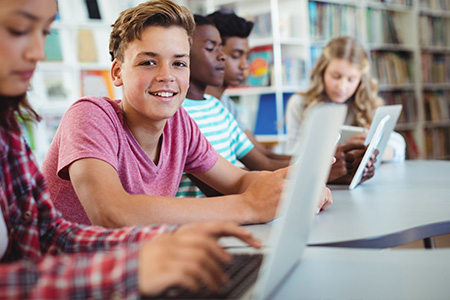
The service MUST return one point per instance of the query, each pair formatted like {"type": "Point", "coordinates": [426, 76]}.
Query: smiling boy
{"type": "Point", "coordinates": [119, 162]}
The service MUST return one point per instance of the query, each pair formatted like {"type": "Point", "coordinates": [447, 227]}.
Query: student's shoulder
{"type": "Point", "coordinates": [103, 103]}
{"type": "Point", "coordinates": [296, 99]}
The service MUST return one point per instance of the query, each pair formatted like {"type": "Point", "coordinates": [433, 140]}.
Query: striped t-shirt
{"type": "Point", "coordinates": [221, 130]}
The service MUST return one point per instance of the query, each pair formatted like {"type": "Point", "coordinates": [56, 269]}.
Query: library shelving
{"type": "Point", "coordinates": [407, 42]}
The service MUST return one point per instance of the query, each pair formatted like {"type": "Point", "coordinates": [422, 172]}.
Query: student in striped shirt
{"type": "Point", "coordinates": [214, 120]}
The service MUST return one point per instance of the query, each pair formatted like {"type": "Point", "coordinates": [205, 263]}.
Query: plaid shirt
{"type": "Point", "coordinates": [50, 258]}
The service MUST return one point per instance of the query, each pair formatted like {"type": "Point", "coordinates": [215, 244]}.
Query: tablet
{"type": "Point", "coordinates": [348, 131]}
{"type": "Point", "coordinates": [374, 144]}
{"type": "Point", "coordinates": [386, 110]}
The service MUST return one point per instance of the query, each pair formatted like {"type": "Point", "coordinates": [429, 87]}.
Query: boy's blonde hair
{"type": "Point", "coordinates": [133, 21]}
{"type": "Point", "coordinates": [366, 98]}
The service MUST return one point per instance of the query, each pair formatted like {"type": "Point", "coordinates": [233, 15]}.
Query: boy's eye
{"type": "Point", "coordinates": [180, 64]}
{"type": "Point", "coordinates": [147, 63]}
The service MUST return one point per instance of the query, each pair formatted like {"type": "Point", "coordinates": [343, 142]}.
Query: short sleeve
{"type": "Point", "coordinates": [88, 130]}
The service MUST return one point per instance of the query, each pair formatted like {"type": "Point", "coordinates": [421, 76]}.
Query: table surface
{"type": "Point", "coordinates": [403, 202]}
{"type": "Point", "coordinates": [337, 273]}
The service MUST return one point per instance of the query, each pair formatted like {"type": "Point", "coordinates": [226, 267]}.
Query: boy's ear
{"type": "Point", "coordinates": [116, 72]}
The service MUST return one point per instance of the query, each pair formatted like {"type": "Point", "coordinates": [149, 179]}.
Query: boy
{"type": "Point", "coordinates": [215, 122]}
{"type": "Point", "coordinates": [117, 163]}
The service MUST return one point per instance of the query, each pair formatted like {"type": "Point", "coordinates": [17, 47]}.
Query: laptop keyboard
{"type": "Point", "coordinates": [242, 272]}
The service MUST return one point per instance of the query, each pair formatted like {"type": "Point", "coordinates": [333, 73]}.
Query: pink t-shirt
{"type": "Point", "coordinates": [93, 127]}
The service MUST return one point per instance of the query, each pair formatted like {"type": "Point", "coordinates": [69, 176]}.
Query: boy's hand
{"type": "Point", "coordinates": [264, 193]}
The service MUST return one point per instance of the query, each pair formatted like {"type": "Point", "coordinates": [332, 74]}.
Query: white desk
{"type": "Point", "coordinates": [404, 202]}
{"type": "Point", "coordinates": [333, 273]}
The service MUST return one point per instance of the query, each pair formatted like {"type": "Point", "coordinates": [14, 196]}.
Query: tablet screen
{"type": "Point", "coordinates": [374, 143]}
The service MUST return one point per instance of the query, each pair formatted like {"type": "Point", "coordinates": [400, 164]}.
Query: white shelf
{"type": "Point", "coordinates": [391, 47]}
{"type": "Point", "coordinates": [390, 6]}
{"type": "Point", "coordinates": [392, 87]}
{"type": "Point", "coordinates": [435, 13]}
{"type": "Point", "coordinates": [435, 49]}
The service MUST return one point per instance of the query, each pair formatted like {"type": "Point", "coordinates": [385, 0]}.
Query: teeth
{"type": "Point", "coordinates": [163, 94]}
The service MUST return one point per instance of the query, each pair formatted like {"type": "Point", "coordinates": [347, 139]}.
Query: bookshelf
{"type": "Point", "coordinates": [406, 40]}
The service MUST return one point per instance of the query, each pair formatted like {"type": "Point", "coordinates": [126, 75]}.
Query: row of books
{"type": "Point", "coordinates": [392, 67]}
{"type": "Point", "coordinates": [294, 70]}
{"type": "Point", "coordinates": [437, 106]}
{"type": "Point", "coordinates": [401, 2]}
{"type": "Point", "coordinates": [260, 71]}
{"type": "Point", "coordinates": [87, 42]}
{"type": "Point", "coordinates": [407, 99]}
{"type": "Point", "coordinates": [437, 143]}
{"type": "Point", "coordinates": [435, 4]}
{"type": "Point", "coordinates": [382, 27]}
{"type": "Point", "coordinates": [331, 20]}
{"type": "Point", "coordinates": [433, 31]}
{"type": "Point", "coordinates": [262, 25]}
{"type": "Point", "coordinates": [435, 68]}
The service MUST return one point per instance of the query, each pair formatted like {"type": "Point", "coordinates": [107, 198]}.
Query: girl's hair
{"type": "Point", "coordinates": [365, 99]}
{"type": "Point", "coordinates": [13, 108]}
{"type": "Point", "coordinates": [133, 21]}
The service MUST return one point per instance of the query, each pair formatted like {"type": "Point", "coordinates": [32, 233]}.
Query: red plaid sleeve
{"type": "Point", "coordinates": [101, 275]}
{"type": "Point", "coordinates": [50, 258]}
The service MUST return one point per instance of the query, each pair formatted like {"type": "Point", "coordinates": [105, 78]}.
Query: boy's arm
{"type": "Point", "coordinates": [255, 159]}
{"type": "Point", "coordinates": [266, 152]}
{"type": "Point", "coordinates": [253, 197]}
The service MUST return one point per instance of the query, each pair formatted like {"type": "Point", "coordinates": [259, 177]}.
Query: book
{"type": "Point", "coordinates": [266, 118]}
{"type": "Point", "coordinates": [93, 9]}
{"type": "Point", "coordinates": [260, 64]}
{"type": "Point", "coordinates": [97, 83]}
{"type": "Point", "coordinates": [54, 86]}
{"type": "Point", "coordinates": [412, 150]}
{"type": "Point", "coordinates": [52, 48]}
{"type": "Point", "coordinates": [87, 50]}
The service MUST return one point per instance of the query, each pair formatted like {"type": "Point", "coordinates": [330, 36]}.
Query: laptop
{"type": "Point", "coordinates": [295, 214]}
{"type": "Point", "coordinates": [379, 142]}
